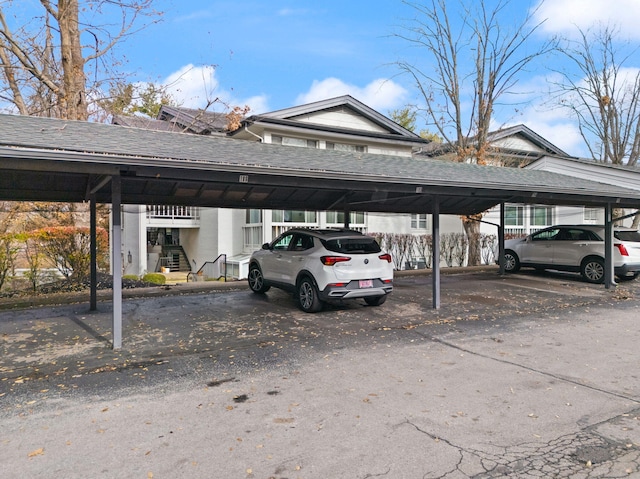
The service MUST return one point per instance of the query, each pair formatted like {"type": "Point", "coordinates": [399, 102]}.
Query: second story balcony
{"type": "Point", "coordinates": [173, 216]}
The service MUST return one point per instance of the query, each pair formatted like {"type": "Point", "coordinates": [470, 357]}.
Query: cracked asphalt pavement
{"type": "Point", "coordinates": [524, 376]}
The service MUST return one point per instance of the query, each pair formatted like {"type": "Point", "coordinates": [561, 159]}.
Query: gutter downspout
{"type": "Point", "coordinates": [260, 139]}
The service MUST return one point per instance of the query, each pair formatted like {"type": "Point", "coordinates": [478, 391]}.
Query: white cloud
{"type": "Point", "coordinates": [554, 124]}
{"type": "Point", "coordinates": [258, 104]}
{"type": "Point", "coordinates": [197, 87]}
{"type": "Point", "coordinates": [563, 134]}
{"type": "Point", "coordinates": [563, 16]}
{"type": "Point", "coordinates": [193, 86]}
{"type": "Point", "coordinates": [380, 94]}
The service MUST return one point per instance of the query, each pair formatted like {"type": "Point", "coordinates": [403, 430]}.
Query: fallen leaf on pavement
{"type": "Point", "coordinates": [37, 452]}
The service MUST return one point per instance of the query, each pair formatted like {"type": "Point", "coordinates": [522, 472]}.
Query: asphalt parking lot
{"type": "Point", "coordinates": [528, 375]}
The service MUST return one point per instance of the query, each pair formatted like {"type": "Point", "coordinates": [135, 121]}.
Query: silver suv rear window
{"type": "Point", "coordinates": [364, 245]}
{"type": "Point", "coordinates": [627, 235]}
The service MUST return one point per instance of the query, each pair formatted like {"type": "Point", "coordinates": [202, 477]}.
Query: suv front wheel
{"type": "Point", "coordinates": [511, 262]}
{"type": "Point", "coordinates": [307, 295]}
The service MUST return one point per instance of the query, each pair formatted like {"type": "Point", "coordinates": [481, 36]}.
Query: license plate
{"type": "Point", "coordinates": [366, 283]}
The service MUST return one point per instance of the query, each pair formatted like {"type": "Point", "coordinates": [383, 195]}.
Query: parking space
{"type": "Point", "coordinates": [218, 320]}
{"type": "Point", "coordinates": [526, 375]}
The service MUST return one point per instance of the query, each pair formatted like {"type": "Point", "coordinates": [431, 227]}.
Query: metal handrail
{"type": "Point", "coordinates": [219, 266]}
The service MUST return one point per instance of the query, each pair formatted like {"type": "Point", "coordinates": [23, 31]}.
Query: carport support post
{"type": "Point", "coordinates": [116, 261]}
{"type": "Point", "coordinates": [501, 239]}
{"type": "Point", "coordinates": [435, 247]}
{"type": "Point", "coordinates": [608, 247]}
{"type": "Point", "coordinates": [93, 274]}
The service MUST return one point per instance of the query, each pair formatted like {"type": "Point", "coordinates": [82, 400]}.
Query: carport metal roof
{"type": "Point", "coordinates": [45, 159]}
{"type": "Point", "coordinates": [56, 160]}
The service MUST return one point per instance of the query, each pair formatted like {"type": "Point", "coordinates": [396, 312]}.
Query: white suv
{"type": "Point", "coordinates": [323, 265]}
{"type": "Point", "coordinates": [578, 248]}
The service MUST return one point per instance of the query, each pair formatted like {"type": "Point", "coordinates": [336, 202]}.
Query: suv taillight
{"type": "Point", "coordinates": [385, 257]}
{"type": "Point", "coordinates": [622, 248]}
{"type": "Point", "coordinates": [331, 260]}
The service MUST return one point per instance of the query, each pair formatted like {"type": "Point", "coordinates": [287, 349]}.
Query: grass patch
{"type": "Point", "coordinates": [155, 278]}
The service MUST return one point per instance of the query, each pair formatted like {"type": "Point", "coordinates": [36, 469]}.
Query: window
{"type": "Point", "coordinates": [627, 235]}
{"type": "Point", "coordinates": [546, 235]}
{"type": "Point", "coordinates": [514, 215]}
{"type": "Point", "coordinates": [364, 245]}
{"type": "Point", "coordinates": [419, 221]}
{"type": "Point", "coordinates": [337, 217]}
{"type": "Point", "coordinates": [283, 243]}
{"type": "Point", "coordinates": [577, 234]}
{"type": "Point", "coordinates": [300, 142]}
{"type": "Point", "coordinates": [301, 243]}
{"type": "Point", "coordinates": [345, 147]}
{"type": "Point", "coordinates": [541, 215]}
{"type": "Point", "coordinates": [294, 216]}
{"type": "Point", "coordinates": [254, 216]}
{"type": "Point", "coordinates": [590, 215]}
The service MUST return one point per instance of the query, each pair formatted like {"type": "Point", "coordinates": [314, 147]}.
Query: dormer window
{"type": "Point", "coordinates": [288, 141]}
{"type": "Point", "coordinates": [346, 147]}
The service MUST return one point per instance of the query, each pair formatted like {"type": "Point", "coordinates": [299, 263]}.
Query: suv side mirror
{"type": "Point", "coordinates": [265, 246]}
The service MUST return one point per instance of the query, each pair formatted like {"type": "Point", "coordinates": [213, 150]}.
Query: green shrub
{"type": "Point", "coordinates": [132, 277]}
{"type": "Point", "coordinates": [155, 278]}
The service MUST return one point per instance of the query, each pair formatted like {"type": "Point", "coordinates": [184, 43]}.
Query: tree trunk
{"type": "Point", "coordinates": [73, 100]}
{"type": "Point", "coordinates": [472, 229]}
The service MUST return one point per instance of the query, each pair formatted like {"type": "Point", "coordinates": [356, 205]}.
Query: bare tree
{"type": "Point", "coordinates": [43, 63]}
{"type": "Point", "coordinates": [470, 63]}
{"type": "Point", "coordinates": [603, 95]}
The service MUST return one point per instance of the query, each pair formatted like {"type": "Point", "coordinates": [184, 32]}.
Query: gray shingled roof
{"type": "Point", "coordinates": [60, 160]}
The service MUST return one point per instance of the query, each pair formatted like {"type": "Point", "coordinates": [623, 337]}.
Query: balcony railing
{"type": "Point", "coordinates": [253, 238]}
{"type": "Point", "coordinates": [521, 230]}
{"type": "Point", "coordinates": [173, 215]}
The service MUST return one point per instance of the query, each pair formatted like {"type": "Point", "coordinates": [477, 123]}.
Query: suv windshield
{"type": "Point", "coordinates": [630, 235]}
{"type": "Point", "coordinates": [364, 245]}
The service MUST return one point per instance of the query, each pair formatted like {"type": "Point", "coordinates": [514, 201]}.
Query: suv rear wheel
{"type": "Point", "coordinates": [592, 270]}
{"type": "Point", "coordinates": [256, 280]}
{"type": "Point", "coordinates": [307, 296]}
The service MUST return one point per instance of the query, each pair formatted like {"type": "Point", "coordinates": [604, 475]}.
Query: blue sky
{"type": "Point", "coordinates": [280, 53]}
{"type": "Point", "coordinates": [273, 54]}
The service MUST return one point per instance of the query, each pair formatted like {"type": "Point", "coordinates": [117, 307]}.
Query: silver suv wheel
{"type": "Point", "coordinates": [593, 270]}
{"type": "Point", "coordinates": [256, 280]}
{"type": "Point", "coordinates": [308, 299]}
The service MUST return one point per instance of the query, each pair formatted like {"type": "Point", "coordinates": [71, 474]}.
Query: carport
{"type": "Point", "coordinates": [45, 159]}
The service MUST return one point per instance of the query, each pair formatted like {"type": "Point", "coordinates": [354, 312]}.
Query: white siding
{"type": "Point", "coordinates": [516, 143]}
{"type": "Point", "coordinates": [341, 119]}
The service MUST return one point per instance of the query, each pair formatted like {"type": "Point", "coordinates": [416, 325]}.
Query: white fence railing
{"type": "Point", "coordinates": [253, 237]}
{"type": "Point", "coordinates": [173, 212]}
